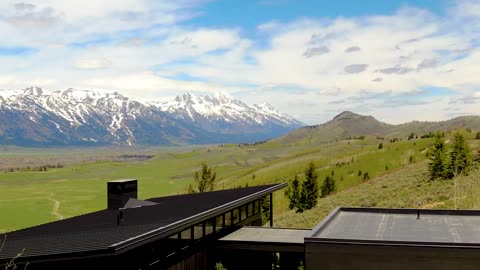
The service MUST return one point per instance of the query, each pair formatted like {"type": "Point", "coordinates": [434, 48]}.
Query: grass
{"type": "Point", "coordinates": [407, 187]}
{"type": "Point", "coordinates": [28, 198]}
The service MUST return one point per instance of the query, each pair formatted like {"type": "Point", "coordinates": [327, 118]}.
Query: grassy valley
{"type": "Point", "coordinates": [397, 176]}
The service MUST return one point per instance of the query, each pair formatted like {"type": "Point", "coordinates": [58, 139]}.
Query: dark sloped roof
{"type": "Point", "coordinates": [98, 231]}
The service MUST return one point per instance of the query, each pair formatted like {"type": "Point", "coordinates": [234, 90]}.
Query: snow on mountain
{"type": "Point", "coordinates": [34, 116]}
{"type": "Point", "coordinates": [227, 109]}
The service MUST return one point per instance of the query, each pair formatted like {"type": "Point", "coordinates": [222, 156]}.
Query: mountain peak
{"type": "Point", "coordinates": [184, 97]}
{"type": "Point", "coordinates": [347, 115]}
{"type": "Point", "coordinates": [223, 97]}
{"type": "Point", "coordinates": [33, 91]}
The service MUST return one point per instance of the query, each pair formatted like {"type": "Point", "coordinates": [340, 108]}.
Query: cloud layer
{"type": "Point", "coordinates": [413, 64]}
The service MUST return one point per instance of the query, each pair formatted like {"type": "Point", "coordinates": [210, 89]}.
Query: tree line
{"type": "Point", "coordinates": [304, 195]}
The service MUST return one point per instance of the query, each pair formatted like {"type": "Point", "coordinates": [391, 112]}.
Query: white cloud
{"type": "Point", "coordinates": [143, 48]}
{"type": "Point", "coordinates": [93, 63]}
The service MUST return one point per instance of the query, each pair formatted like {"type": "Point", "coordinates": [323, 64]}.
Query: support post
{"type": "Point", "coordinates": [271, 209]}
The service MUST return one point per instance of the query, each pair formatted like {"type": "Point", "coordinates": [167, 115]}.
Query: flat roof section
{"type": "Point", "coordinates": [401, 225]}
{"type": "Point", "coordinates": [267, 235]}
{"type": "Point", "coordinates": [265, 239]}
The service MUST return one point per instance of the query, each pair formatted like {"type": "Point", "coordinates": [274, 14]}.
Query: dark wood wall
{"type": "Point", "coordinates": [330, 256]}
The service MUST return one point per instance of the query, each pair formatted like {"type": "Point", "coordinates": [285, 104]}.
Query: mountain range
{"type": "Point", "coordinates": [348, 125]}
{"type": "Point", "coordinates": [75, 117]}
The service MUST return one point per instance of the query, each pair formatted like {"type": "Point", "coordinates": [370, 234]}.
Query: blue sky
{"type": "Point", "coordinates": [396, 60]}
{"type": "Point", "coordinates": [249, 14]}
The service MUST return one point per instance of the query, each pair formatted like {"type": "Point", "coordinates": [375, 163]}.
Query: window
{"type": "Point", "coordinates": [256, 205]}
{"type": "Point", "coordinates": [236, 215]}
{"type": "Point", "coordinates": [244, 212]}
{"type": "Point", "coordinates": [186, 234]}
{"type": "Point", "coordinates": [219, 223]}
{"type": "Point", "coordinates": [198, 231]}
{"type": "Point", "coordinates": [228, 219]}
{"type": "Point", "coordinates": [209, 226]}
{"type": "Point", "coordinates": [250, 207]}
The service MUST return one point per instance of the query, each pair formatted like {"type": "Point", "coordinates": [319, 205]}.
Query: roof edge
{"type": "Point", "coordinates": [192, 220]}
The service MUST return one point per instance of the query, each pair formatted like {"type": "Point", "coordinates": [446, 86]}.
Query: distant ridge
{"type": "Point", "coordinates": [348, 124]}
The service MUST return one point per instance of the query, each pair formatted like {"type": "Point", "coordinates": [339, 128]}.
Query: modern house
{"type": "Point", "coordinates": [196, 231]}
{"type": "Point", "coordinates": [174, 232]}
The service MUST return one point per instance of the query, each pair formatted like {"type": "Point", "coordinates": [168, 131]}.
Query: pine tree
{"type": "Point", "coordinates": [205, 179]}
{"type": "Point", "coordinates": [294, 194]}
{"type": "Point", "coordinates": [328, 186]}
{"type": "Point", "coordinates": [309, 194]}
{"type": "Point", "coordinates": [477, 157]}
{"type": "Point", "coordinates": [437, 157]}
{"type": "Point", "coordinates": [366, 177]}
{"type": "Point", "coordinates": [460, 157]}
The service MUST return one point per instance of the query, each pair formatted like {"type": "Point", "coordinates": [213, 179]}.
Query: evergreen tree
{"type": "Point", "coordinates": [204, 179]}
{"type": "Point", "coordinates": [477, 158]}
{"type": "Point", "coordinates": [460, 157]}
{"type": "Point", "coordinates": [437, 157]}
{"type": "Point", "coordinates": [328, 186]}
{"type": "Point", "coordinates": [477, 136]}
{"type": "Point", "coordinates": [309, 194]}
{"type": "Point", "coordinates": [266, 209]}
{"type": "Point", "coordinates": [366, 176]}
{"type": "Point", "coordinates": [294, 194]}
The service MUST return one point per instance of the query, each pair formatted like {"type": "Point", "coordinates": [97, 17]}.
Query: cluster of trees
{"type": "Point", "coordinates": [447, 164]}
{"type": "Point", "coordinates": [304, 195]}
{"type": "Point", "coordinates": [41, 168]}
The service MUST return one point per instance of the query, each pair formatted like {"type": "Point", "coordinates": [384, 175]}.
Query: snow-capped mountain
{"type": "Point", "coordinates": [226, 115]}
{"type": "Point", "coordinates": [34, 116]}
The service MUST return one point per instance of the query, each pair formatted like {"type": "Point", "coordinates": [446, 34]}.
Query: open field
{"type": "Point", "coordinates": [28, 198]}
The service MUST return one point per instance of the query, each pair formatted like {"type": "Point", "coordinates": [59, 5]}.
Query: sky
{"type": "Point", "coordinates": [396, 60]}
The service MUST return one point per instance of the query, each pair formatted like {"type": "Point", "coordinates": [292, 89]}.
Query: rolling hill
{"type": "Point", "coordinates": [348, 125]}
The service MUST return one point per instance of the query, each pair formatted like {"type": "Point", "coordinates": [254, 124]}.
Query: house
{"type": "Point", "coordinates": [196, 231]}
{"type": "Point", "coordinates": [174, 232]}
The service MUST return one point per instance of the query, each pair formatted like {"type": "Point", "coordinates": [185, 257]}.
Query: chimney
{"type": "Point", "coordinates": [119, 191]}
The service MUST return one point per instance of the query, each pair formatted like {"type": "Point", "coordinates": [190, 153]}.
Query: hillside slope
{"type": "Point", "coordinates": [348, 125]}
{"type": "Point", "coordinates": [407, 187]}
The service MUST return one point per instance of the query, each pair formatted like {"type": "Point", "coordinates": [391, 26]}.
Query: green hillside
{"type": "Point", "coordinates": [348, 125]}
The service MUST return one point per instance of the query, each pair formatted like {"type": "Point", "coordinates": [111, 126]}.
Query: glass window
{"type": "Point", "coordinates": [175, 236]}
{"type": "Point", "coordinates": [236, 216]}
{"type": "Point", "coordinates": [186, 234]}
{"type": "Point", "coordinates": [250, 209]}
{"type": "Point", "coordinates": [228, 219]}
{"type": "Point", "coordinates": [209, 226]}
{"type": "Point", "coordinates": [219, 223]}
{"type": "Point", "coordinates": [198, 231]}
{"type": "Point", "coordinates": [244, 212]}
